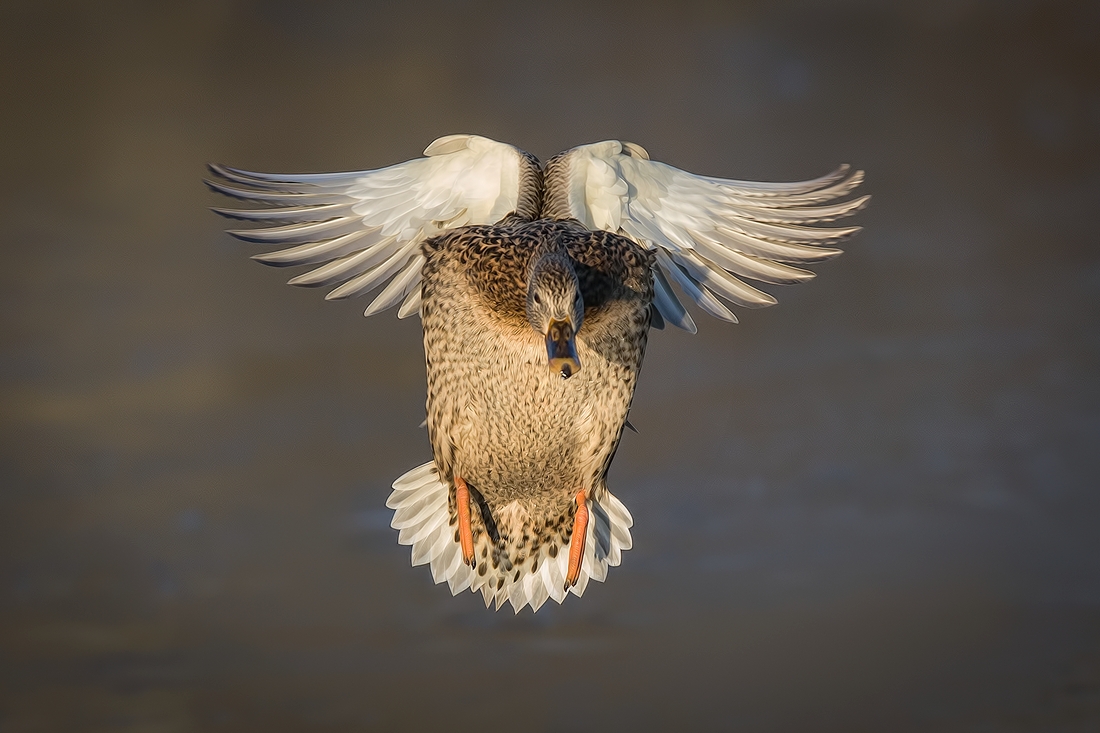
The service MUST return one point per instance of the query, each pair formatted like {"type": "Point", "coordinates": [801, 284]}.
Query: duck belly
{"type": "Point", "coordinates": [519, 432]}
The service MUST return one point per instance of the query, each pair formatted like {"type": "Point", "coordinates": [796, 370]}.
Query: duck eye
{"type": "Point", "coordinates": [538, 300]}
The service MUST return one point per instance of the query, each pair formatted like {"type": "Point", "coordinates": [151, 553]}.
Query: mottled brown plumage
{"type": "Point", "coordinates": [523, 437]}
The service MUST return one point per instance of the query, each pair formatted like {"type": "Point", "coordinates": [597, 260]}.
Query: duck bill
{"type": "Point", "coordinates": [561, 349]}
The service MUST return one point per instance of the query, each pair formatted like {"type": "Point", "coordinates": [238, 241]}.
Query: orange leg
{"type": "Point", "coordinates": [576, 542]}
{"type": "Point", "coordinates": [465, 535]}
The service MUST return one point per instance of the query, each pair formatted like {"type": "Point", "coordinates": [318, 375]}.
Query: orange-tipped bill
{"type": "Point", "coordinates": [561, 349]}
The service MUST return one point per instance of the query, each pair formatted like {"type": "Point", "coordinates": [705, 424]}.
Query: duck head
{"type": "Point", "coordinates": [555, 309]}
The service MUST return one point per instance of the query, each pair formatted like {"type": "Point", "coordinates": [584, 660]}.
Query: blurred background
{"type": "Point", "coordinates": [873, 507]}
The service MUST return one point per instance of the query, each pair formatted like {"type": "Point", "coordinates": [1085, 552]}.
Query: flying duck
{"type": "Point", "coordinates": [537, 286]}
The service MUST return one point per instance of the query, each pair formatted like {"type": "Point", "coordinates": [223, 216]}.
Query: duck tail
{"type": "Point", "coordinates": [422, 518]}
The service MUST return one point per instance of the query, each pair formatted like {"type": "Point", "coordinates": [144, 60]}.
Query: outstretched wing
{"type": "Point", "coordinates": [708, 234]}
{"type": "Point", "coordinates": [365, 227]}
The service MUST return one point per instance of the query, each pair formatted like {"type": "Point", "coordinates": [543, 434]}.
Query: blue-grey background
{"type": "Point", "coordinates": [873, 507]}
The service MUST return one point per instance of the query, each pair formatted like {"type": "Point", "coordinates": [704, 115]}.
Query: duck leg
{"type": "Point", "coordinates": [465, 534]}
{"type": "Point", "coordinates": [577, 540]}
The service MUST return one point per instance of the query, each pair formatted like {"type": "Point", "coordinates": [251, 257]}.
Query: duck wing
{"type": "Point", "coordinates": [708, 234]}
{"type": "Point", "coordinates": [365, 227]}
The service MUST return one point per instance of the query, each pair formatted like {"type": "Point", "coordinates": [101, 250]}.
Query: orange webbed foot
{"type": "Point", "coordinates": [465, 534]}
{"type": "Point", "coordinates": [576, 542]}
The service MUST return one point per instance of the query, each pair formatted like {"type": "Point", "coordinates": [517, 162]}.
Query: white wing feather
{"type": "Point", "coordinates": [707, 233]}
{"type": "Point", "coordinates": [365, 227]}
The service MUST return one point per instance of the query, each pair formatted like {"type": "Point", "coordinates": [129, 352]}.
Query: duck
{"type": "Point", "coordinates": [537, 286]}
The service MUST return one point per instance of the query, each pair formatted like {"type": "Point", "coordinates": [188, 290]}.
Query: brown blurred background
{"type": "Point", "coordinates": [871, 508]}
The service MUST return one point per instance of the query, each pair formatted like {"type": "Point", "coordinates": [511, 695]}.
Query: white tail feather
{"type": "Point", "coordinates": [422, 517]}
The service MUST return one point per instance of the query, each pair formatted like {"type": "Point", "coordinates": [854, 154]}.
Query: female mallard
{"type": "Point", "coordinates": [537, 288]}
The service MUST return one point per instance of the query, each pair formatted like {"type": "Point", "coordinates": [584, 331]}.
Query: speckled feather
{"type": "Point", "coordinates": [523, 437]}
